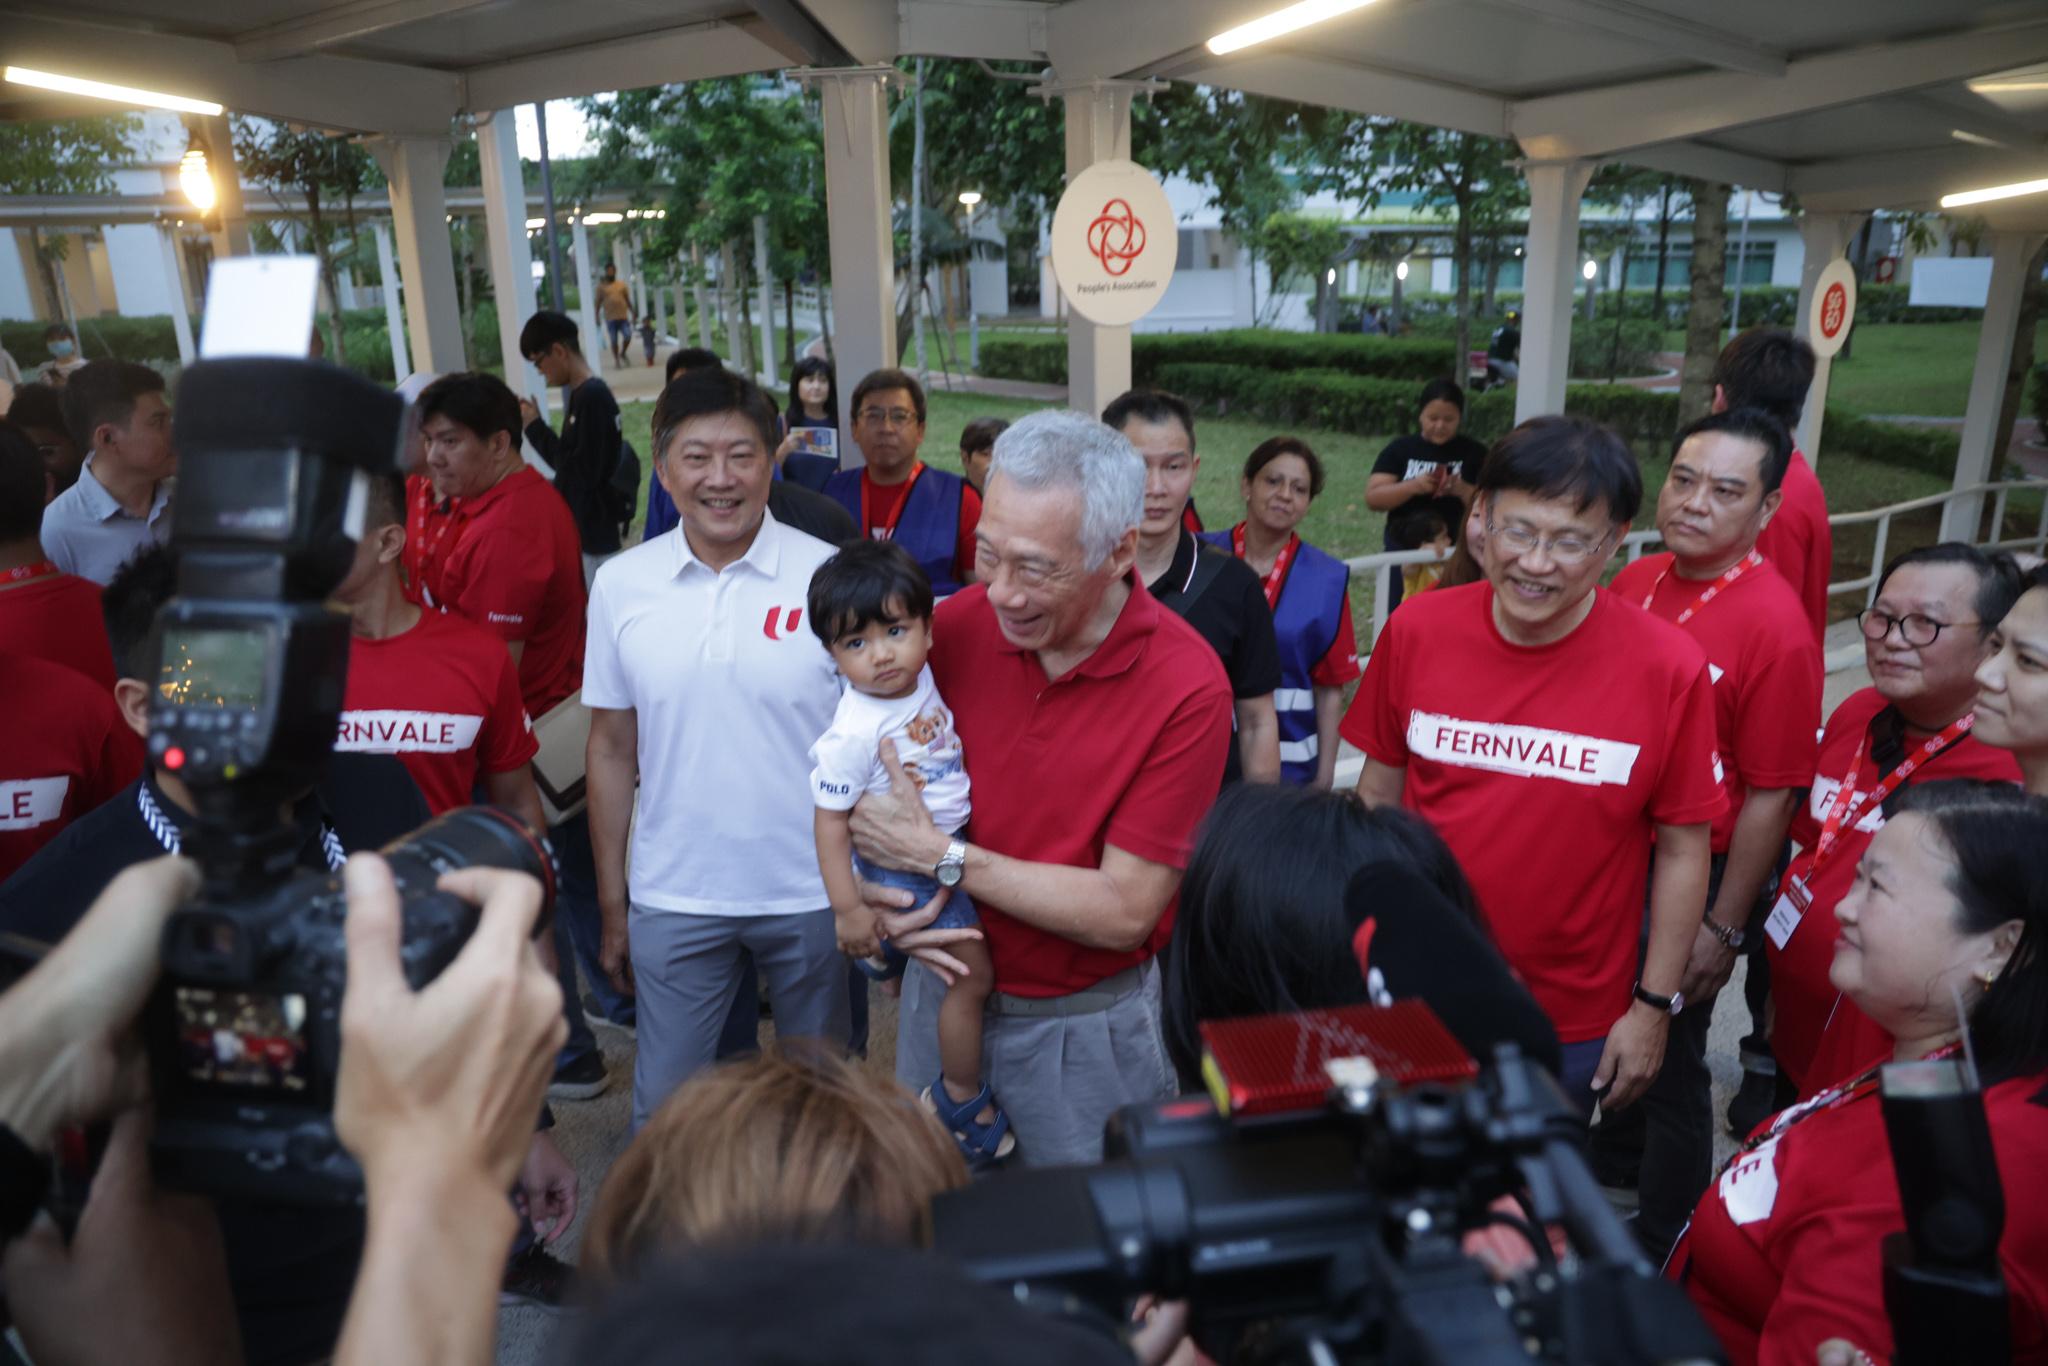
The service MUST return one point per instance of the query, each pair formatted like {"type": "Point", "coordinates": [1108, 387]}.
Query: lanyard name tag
{"type": "Point", "coordinates": [1786, 915]}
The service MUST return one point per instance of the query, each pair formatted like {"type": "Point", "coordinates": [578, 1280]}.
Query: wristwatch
{"type": "Point", "coordinates": [1730, 938]}
{"type": "Point", "coordinates": [953, 866]}
{"type": "Point", "coordinates": [1670, 1005]}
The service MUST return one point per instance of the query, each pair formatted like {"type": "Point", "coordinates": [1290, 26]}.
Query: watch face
{"type": "Point", "coordinates": [949, 874]}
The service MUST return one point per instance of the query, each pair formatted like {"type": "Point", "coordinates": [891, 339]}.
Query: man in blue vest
{"type": "Point", "coordinates": [929, 512]}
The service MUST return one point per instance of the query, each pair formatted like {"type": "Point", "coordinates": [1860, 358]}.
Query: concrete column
{"type": "Point", "coordinates": [622, 261]}
{"type": "Point", "coordinates": [1098, 129]}
{"type": "Point", "coordinates": [419, 214]}
{"type": "Point", "coordinates": [394, 315]}
{"type": "Point", "coordinates": [639, 281]}
{"type": "Point", "coordinates": [767, 302]}
{"type": "Point", "coordinates": [232, 237]}
{"type": "Point", "coordinates": [1551, 278]}
{"type": "Point", "coordinates": [857, 204]}
{"type": "Point", "coordinates": [1826, 238]}
{"type": "Point", "coordinates": [595, 348]}
{"type": "Point", "coordinates": [1982, 452]}
{"type": "Point", "coordinates": [660, 302]}
{"type": "Point", "coordinates": [174, 274]}
{"type": "Point", "coordinates": [497, 144]}
{"type": "Point", "coordinates": [682, 311]}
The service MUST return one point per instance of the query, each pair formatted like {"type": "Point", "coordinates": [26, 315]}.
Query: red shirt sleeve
{"type": "Point", "coordinates": [500, 583]}
{"type": "Point", "coordinates": [970, 518]}
{"type": "Point", "coordinates": [1779, 705]}
{"type": "Point", "coordinates": [1339, 664]}
{"type": "Point", "coordinates": [119, 762]}
{"type": "Point", "coordinates": [507, 741]}
{"type": "Point", "coordinates": [1376, 722]}
{"type": "Point", "coordinates": [1159, 812]}
{"type": "Point", "coordinates": [1687, 791]}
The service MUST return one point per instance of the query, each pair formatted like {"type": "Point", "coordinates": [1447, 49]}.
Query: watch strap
{"type": "Point", "coordinates": [1667, 1004]}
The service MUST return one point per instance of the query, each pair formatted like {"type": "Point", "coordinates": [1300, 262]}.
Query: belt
{"type": "Point", "coordinates": [1088, 1001]}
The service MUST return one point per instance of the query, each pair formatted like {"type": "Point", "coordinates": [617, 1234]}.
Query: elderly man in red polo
{"type": "Point", "coordinates": [1094, 725]}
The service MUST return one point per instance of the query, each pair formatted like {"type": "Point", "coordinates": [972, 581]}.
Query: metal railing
{"type": "Point", "coordinates": [1383, 566]}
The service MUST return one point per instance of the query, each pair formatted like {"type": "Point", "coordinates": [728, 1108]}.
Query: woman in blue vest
{"type": "Point", "coordinates": [1309, 593]}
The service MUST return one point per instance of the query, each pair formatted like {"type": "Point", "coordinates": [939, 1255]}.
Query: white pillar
{"type": "Point", "coordinates": [640, 308]}
{"type": "Point", "coordinates": [682, 311]}
{"type": "Point", "coordinates": [660, 302]}
{"type": "Point", "coordinates": [857, 200]}
{"type": "Point", "coordinates": [394, 316]}
{"type": "Point", "coordinates": [767, 302]}
{"type": "Point", "coordinates": [1982, 451]}
{"type": "Point", "coordinates": [174, 275]}
{"type": "Point", "coordinates": [596, 350]}
{"type": "Point", "coordinates": [1550, 280]}
{"type": "Point", "coordinates": [1098, 114]}
{"type": "Point", "coordinates": [419, 213]}
{"type": "Point", "coordinates": [1826, 238]}
{"type": "Point", "coordinates": [497, 145]}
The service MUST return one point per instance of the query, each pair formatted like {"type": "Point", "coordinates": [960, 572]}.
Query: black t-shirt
{"type": "Point", "coordinates": [810, 512]}
{"type": "Point", "coordinates": [290, 1268]}
{"type": "Point", "coordinates": [1507, 342]}
{"type": "Point", "coordinates": [1230, 613]}
{"type": "Point", "coordinates": [584, 457]}
{"type": "Point", "coordinates": [1405, 457]}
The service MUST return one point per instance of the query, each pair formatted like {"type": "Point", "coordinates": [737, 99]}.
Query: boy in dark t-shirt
{"type": "Point", "coordinates": [586, 454]}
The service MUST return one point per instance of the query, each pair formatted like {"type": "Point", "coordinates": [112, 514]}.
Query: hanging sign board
{"type": "Point", "coordinates": [1833, 308]}
{"type": "Point", "coordinates": [1114, 243]}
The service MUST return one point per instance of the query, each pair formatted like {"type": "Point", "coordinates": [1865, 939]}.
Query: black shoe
{"type": "Point", "coordinates": [594, 1016]}
{"type": "Point", "coordinates": [537, 1279]}
{"type": "Point", "coordinates": [581, 1079]}
{"type": "Point", "coordinates": [1754, 1102]}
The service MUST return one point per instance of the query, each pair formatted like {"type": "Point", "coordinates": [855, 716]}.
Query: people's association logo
{"type": "Point", "coordinates": [777, 630]}
{"type": "Point", "coordinates": [1117, 237]}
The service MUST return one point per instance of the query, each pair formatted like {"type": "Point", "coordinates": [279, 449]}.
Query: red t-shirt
{"type": "Point", "coordinates": [510, 560]}
{"type": "Point", "coordinates": [883, 503]}
{"type": "Point", "coordinates": [444, 698]}
{"type": "Point", "coordinates": [1132, 739]}
{"type": "Point", "coordinates": [1800, 544]}
{"type": "Point", "coordinates": [1765, 671]}
{"type": "Point", "coordinates": [1546, 769]}
{"type": "Point", "coordinates": [1802, 998]}
{"type": "Point", "coordinates": [63, 751]}
{"type": "Point", "coordinates": [1784, 1251]}
{"type": "Point", "coordinates": [1339, 664]}
{"type": "Point", "coordinates": [57, 617]}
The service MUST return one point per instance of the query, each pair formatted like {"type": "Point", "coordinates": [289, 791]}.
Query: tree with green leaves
{"type": "Point", "coordinates": [1709, 299]}
{"type": "Point", "coordinates": [323, 169]}
{"type": "Point", "coordinates": [62, 156]}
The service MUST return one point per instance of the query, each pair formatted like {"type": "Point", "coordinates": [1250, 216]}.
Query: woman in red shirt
{"type": "Point", "coordinates": [2012, 685]}
{"type": "Point", "coordinates": [1949, 908]}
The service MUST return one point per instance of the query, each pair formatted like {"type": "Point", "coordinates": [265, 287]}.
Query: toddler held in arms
{"type": "Point", "coordinates": [872, 606]}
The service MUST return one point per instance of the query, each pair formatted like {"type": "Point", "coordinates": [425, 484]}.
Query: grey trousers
{"type": "Point", "coordinates": [1058, 1078]}
{"type": "Point", "coordinates": [687, 969]}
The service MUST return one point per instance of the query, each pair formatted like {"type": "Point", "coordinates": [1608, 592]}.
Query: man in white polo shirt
{"type": "Point", "coordinates": [706, 686]}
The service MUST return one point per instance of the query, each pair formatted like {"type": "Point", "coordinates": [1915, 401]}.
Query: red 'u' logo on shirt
{"type": "Point", "coordinates": [791, 615]}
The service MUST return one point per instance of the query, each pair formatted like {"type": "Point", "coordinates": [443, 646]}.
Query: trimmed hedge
{"type": "Point", "coordinates": [1041, 358]}
{"type": "Point", "coordinates": [1772, 305]}
{"type": "Point", "coordinates": [1596, 354]}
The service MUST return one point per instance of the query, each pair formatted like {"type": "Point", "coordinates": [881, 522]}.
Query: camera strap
{"type": "Point", "coordinates": [167, 834]}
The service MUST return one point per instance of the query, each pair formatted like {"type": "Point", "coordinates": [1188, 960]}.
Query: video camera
{"type": "Point", "coordinates": [1314, 1211]}
{"type": "Point", "coordinates": [243, 1030]}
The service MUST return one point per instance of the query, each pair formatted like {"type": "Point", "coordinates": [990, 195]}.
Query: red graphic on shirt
{"type": "Point", "coordinates": [787, 627]}
{"type": "Point", "coordinates": [1834, 311]}
{"type": "Point", "coordinates": [1117, 237]}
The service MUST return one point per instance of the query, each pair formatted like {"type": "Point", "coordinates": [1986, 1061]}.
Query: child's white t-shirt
{"type": "Point", "coordinates": [848, 755]}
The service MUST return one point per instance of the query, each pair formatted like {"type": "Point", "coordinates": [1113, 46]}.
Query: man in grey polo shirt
{"type": "Point", "coordinates": [122, 501]}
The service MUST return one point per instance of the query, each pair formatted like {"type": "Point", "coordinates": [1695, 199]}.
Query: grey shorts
{"type": "Point", "coordinates": [1059, 1077]}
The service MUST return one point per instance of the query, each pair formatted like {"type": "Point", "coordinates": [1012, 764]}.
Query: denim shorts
{"type": "Point", "coordinates": [956, 914]}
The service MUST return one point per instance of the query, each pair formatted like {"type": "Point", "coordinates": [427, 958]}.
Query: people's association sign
{"type": "Point", "coordinates": [1114, 242]}
{"type": "Point", "coordinates": [1833, 308]}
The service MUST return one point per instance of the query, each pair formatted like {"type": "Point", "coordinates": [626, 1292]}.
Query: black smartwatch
{"type": "Point", "coordinates": [1669, 1005]}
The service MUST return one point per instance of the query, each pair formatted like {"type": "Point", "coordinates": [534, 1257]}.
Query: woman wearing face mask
{"type": "Point", "coordinates": [64, 357]}
{"type": "Point", "coordinates": [2012, 685]}
{"type": "Point", "coordinates": [1434, 467]}
{"type": "Point", "coordinates": [1940, 934]}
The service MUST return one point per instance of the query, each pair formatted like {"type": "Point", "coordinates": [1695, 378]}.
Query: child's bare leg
{"type": "Point", "coordinates": [960, 1018]}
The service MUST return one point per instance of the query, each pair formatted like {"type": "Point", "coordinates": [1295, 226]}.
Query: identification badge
{"type": "Point", "coordinates": [1786, 915]}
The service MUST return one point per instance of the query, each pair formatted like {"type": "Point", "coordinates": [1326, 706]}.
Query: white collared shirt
{"type": "Point", "coordinates": [730, 687]}
{"type": "Point", "coordinates": [85, 532]}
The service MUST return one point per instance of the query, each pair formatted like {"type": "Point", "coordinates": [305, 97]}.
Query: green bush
{"type": "Point", "coordinates": [1606, 347]}
{"type": "Point", "coordinates": [1042, 358]}
{"type": "Point", "coordinates": [1762, 305]}
{"type": "Point", "coordinates": [1931, 450]}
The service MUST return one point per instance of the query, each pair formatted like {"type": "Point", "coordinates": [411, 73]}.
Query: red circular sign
{"type": "Point", "coordinates": [1834, 311]}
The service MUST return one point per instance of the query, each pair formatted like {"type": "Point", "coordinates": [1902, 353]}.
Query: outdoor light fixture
{"type": "Point", "coordinates": [195, 178]}
{"type": "Point", "coordinates": [1296, 16]}
{"type": "Point", "coordinates": [1401, 271]}
{"type": "Point", "coordinates": [1330, 277]}
{"type": "Point", "coordinates": [1985, 196]}
{"type": "Point", "coordinates": [594, 219]}
{"type": "Point", "coordinates": [970, 197]}
{"type": "Point", "coordinates": [536, 224]}
{"type": "Point", "coordinates": [1589, 270]}
{"type": "Point", "coordinates": [100, 90]}
{"type": "Point", "coordinates": [1518, 251]}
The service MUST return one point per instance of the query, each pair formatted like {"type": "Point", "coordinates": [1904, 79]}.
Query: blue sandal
{"type": "Point", "coordinates": [981, 1144]}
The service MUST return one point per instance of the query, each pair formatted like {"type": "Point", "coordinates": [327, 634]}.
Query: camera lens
{"type": "Point", "coordinates": [481, 837]}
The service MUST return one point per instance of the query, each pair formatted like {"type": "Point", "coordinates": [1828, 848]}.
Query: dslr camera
{"type": "Point", "coordinates": [243, 1031]}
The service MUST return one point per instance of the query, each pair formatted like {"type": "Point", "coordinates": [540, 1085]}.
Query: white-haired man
{"type": "Point", "coordinates": [1065, 677]}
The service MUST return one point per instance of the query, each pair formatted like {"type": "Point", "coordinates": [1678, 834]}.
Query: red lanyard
{"type": "Point", "coordinates": [887, 531]}
{"type": "Point", "coordinates": [1848, 1093]}
{"type": "Point", "coordinates": [1847, 808]}
{"type": "Point", "coordinates": [1276, 577]}
{"type": "Point", "coordinates": [1711, 591]}
{"type": "Point", "coordinates": [27, 573]}
{"type": "Point", "coordinates": [430, 534]}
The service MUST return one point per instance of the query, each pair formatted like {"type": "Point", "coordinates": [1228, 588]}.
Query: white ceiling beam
{"type": "Point", "coordinates": [993, 30]}
{"type": "Point", "coordinates": [1597, 123]}
{"type": "Point", "coordinates": [1678, 37]}
{"type": "Point", "coordinates": [1711, 163]}
{"type": "Point", "coordinates": [810, 44]}
{"type": "Point", "coordinates": [692, 53]}
{"type": "Point", "coordinates": [1108, 38]}
{"type": "Point", "coordinates": [1967, 114]}
{"type": "Point", "coordinates": [865, 28]}
{"type": "Point", "coordinates": [340, 24]}
{"type": "Point", "coordinates": [1909, 179]}
{"type": "Point", "coordinates": [322, 91]}
{"type": "Point", "coordinates": [1339, 85]}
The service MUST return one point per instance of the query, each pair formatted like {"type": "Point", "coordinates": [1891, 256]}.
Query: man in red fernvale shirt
{"type": "Point", "coordinates": [1714, 585]}
{"type": "Point", "coordinates": [43, 611]}
{"type": "Point", "coordinates": [1549, 731]}
{"type": "Point", "coordinates": [65, 750]}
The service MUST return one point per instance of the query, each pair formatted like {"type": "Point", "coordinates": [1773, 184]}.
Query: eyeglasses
{"type": "Point", "coordinates": [1914, 628]}
{"type": "Point", "coordinates": [887, 417]}
{"type": "Point", "coordinates": [1569, 551]}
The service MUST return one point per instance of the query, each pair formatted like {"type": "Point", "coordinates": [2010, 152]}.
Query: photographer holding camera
{"type": "Point", "coordinates": [436, 1096]}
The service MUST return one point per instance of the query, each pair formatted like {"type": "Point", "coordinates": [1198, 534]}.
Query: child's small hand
{"type": "Point", "coordinates": [858, 933]}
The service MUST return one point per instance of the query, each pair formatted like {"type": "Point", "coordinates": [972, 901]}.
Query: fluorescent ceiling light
{"type": "Point", "coordinates": [1976, 139]}
{"type": "Point", "coordinates": [2008, 87]}
{"type": "Point", "coordinates": [1296, 16]}
{"type": "Point", "coordinates": [100, 90]}
{"type": "Point", "coordinates": [1985, 196]}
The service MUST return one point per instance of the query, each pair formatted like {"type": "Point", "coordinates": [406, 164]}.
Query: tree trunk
{"type": "Point", "coordinates": [1492, 278]}
{"type": "Point", "coordinates": [1620, 305]}
{"type": "Point", "coordinates": [702, 295]}
{"type": "Point", "coordinates": [47, 256]}
{"type": "Point", "coordinates": [316, 228]}
{"type": "Point", "coordinates": [1663, 255]}
{"type": "Point", "coordinates": [1461, 262]}
{"type": "Point", "coordinates": [1709, 290]}
{"type": "Point", "coordinates": [2031, 299]}
{"type": "Point", "coordinates": [917, 219]}
{"type": "Point", "coordinates": [753, 360]}
{"type": "Point", "coordinates": [825, 320]}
